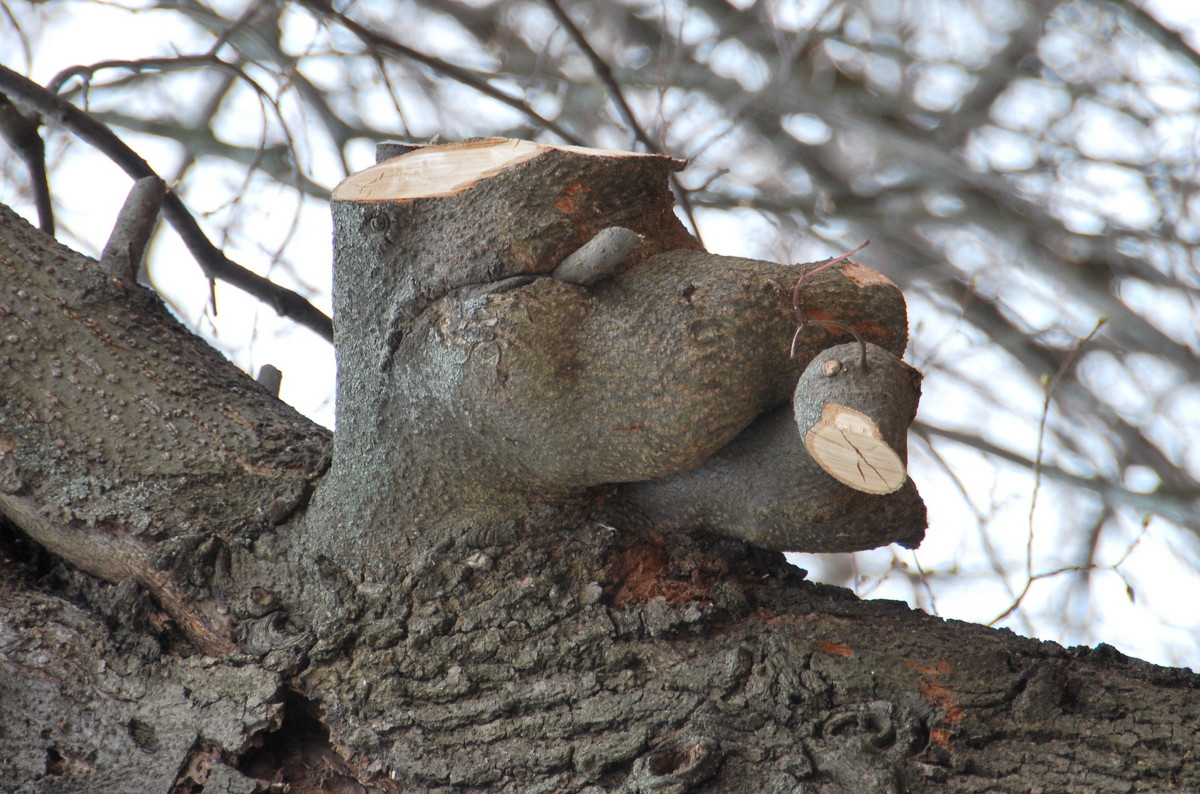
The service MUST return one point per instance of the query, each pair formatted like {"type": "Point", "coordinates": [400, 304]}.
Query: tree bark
{"type": "Point", "coordinates": [475, 597]}
{"type": "Point", "coordinates": [492, 381]}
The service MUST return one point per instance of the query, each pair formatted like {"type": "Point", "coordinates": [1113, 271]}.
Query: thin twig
{"type": "Point", "coordinates": [603, 72]}
{"type": "Point", "coordinates": [924, 579]}
{"type": "Point", "coordinates": [238, 24]}
{"type": "Point", "coordinates": [804, 277]}
{"type": "Point", "coordinates": [1051, 386]}
{"type": "Point", "coordinates": [1115, 567]}
{"type": "Point", "coordinates": [87, 72]}
{"type": "Point", "coordinates": [457, 73]}
{"type": "Point", "coordinates": [989, 549]}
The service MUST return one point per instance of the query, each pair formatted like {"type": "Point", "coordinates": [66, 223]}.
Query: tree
{"type": "Point", "coordinates": [205, 601]}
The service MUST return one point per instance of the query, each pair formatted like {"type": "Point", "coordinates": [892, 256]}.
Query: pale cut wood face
{"type": "Point", "coordinates": [847, 444]}
{"type": "Point", "coordinates": [448, 169]}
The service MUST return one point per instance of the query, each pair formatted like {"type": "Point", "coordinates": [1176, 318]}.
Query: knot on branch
{"type": "Point", "coordinates": [676, 766]}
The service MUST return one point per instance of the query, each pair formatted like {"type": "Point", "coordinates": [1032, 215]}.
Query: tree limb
{"type": "Point", "coordinates": [210, 258]}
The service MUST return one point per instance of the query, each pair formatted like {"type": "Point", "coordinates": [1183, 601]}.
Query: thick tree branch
{"type": "Point", "coordinates": [111, 439]}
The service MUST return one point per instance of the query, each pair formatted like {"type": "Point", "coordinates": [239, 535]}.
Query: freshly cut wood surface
{"type": "Point", "coordinates": [445, 170]}
{"type": "Point", "coordinates": [847, 444]}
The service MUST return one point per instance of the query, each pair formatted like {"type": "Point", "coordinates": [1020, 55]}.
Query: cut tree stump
{"type": "Point", "coordinates": [519, 320]}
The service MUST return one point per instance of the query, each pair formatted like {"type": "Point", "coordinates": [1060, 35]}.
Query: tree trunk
{"type": "Point", "coordinates": [545, 555]}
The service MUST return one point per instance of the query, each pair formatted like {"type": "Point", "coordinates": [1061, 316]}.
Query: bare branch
{"type": "Point", "coordinates": [1177, 507]}
{"type": "Point", "coordinates": [465, 76]}
{"type": "Point", "coordinates": [604, 72]}
{"type": "Point", "coordinates": [210, 258]}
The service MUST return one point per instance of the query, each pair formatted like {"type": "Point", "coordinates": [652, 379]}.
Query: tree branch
{"type": "Point", "coordinates": [21, 132]}
{"type": "Point", "coordinates": [210, 258]}
{"type": "Point", "coordinates": [1180, 508]}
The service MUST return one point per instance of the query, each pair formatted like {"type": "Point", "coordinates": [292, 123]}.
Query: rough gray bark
{"type": "Point", "coordinates": [175, 613]}
{"type": "Point", "coordinates": [454, 347]}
